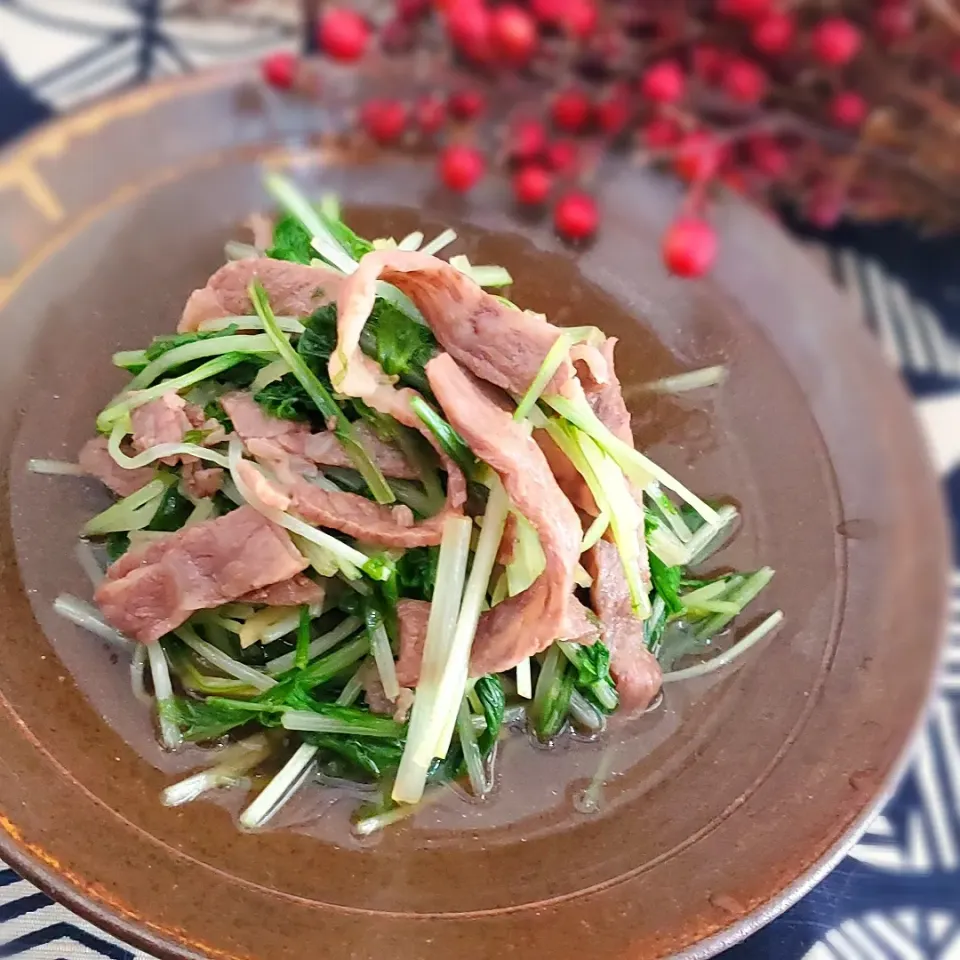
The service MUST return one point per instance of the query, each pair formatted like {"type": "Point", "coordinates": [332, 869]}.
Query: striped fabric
{"type": "Point", "coordinates": [898, 894]}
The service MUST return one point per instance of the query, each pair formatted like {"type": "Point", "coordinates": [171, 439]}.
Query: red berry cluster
{"type": "Point", "coordinates": [762, 97]}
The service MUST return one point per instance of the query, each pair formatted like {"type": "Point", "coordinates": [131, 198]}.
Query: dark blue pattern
{"type": "Point", "coordinates": [19, 110]}
{"type": "Point", "coordinates": [64, 931]}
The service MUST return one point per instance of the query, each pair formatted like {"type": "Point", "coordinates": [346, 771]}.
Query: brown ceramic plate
{"type": "Point", "coordinates": [720, 808]}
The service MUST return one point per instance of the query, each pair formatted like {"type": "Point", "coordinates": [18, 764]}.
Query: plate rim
{"type": "Point", "coordinates": [32, 865]}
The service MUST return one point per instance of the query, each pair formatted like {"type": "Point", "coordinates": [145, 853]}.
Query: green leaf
{"type": "Point", "coordinates": [291, 241]}
{"type": "Point", "coordinates": [286, 399]}
{"type": "Point", "coordinates": [244, 373]}
{"type": "Point", "coordinates": [593, 663]}
{"type": "Point", "coordinates": [592, 677]}
{"type": "Point", "coordinates": [666, 582]}
{"type": "Point", "coordinates": [489, 691]}
{"type": "Point", "coordinates": [417, 572]}
{"type": "Point", "coordinates": [172, 513]}
{"type": "Point", "coordinates": [400, 345]}
{"type": "Point", "coordinates": [373, 758]}
{"type": "Point", "coordinates": [303, 638]}
{"type": "Point", "coordinates": [319, 339]}
{"type": "Point", "coordinates": [213, 411]}
{"type": "Point", "coordinates": [202, 720]}
{"type": "Point", "coordinates": [551, 700]}
{"type": "Point", "coordinates": [354, 245]}
{"type": "Point", "coordinates": [117, 545]}
{"type": "Point", "coordinates": [397, 342]}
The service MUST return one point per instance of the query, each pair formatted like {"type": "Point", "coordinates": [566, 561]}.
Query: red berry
{"type": "Point", "coordinates": [954, 61]}
{"type": "Point", "coordinates": [848, 109]}
{"type": "Point", "coordinates": [384, 120]}
{"type": "Point", "coordinates": [528, 139]}
{"type": "Point", "coordinates": [708, 61]}
{"type": "Point", "coordinates": [279, 69]}
{"type": "Point", "coordinates": [660, 132]}
{"type": "Point", "coordinates": [514, 34]}
{"type": "Point", "coordinates": [689, 247]}
{"type": "Point", "coordinates": [697, 158]}
{"type": "Point", "coordinates": [461, 167]}
{"type": "Point", "coordinates": [579, 17]}
{"type": "Point", "coordinates": [430, 113]}
{"type": "Point", "coordinates": [894, 20]}
{"type": "Point", "coordinates": [571, 110]}
{"type": "Point", "coordinates": [532, 184]}
{"type": "Point", "coordinates": [663, 82]}
{"type": "Point", "coordinates": [410, 10]}
{"type": "Point", "coordinates": [835, 41]}
{"type": "Point", "coordinates": [613, 114]}
{"type": "Point", "coordinates": [548, 12]}
{"type": "Point", "coordinates": [466, 104]}
{"type": "Point", "coordinates": [774, 34]}
{"type": "Point", "coordinates": [743, 9]}
{"type": "Point", "coordinates": [767, 155]}
{"type": "Point", "coordinates": [744, 81]}
{"type": "Point", "coordinates": [575, 216]}
{"type": "Point", "coordinates": [469, 26]}
{"type": "Point", "coordinates": [343, 34]}
{"type": "Point", "coordinates": [561, 155]}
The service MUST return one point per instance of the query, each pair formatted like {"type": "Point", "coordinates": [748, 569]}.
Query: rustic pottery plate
{"type": "Point", "coordinates": [718, 810]}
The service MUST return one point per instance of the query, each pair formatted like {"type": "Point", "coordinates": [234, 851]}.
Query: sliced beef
{"type": "Point", "coordinates": [299, 589]}
{"type": "Point", "coordinates": [163, 420]}
{"type": "Point", "coordinates": [377, 699]}
{"type": "Point", "coordinates": [606, 396]}
{"type": "Point", "coordinates": [95, 459]}
{"type": "Point", "coordinates": [634, 669]}
{"type": "Point", "coordinates": [413, 615]}
{"type": "Point", "coordinates": [326, 450]}
{"type": "Point", "coordinates": [201, 480]}
{"type": "Point", "coordinates": [500, 344]}
{"type": "Point", "coordinates": [212, 428]}
{"type": "Point", "coordinates": [350, 513]}
{"type": "Point", "coordinates": [152, 590]}
{"type": "Point", "coordinates": [252, 422]}
{"type": "Point", "coordinates": [530, 621]}
{"type": "Point", "coordinates": [290, 488]}
{"type": "Point", "coordinates": [579, 624]}
{"type": "Point", "coordinates": [294, 289]}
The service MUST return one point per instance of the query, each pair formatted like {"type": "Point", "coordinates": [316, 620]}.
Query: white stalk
{"type": "Point", "coordinates": [439, 242]}
{"type": "Point", "coordinates": [163, 690]}
{"type": "Point", "coordinates": [280, 788]}
{"type": "Point", "coordinates": [56, 468]}
{"type": "Point", "coordinates": [222, 661]}
{"type": "Point", "coordinates": [321, 645]}
{"type": "Point", "coordinates": [454, 679]}
{"type": "Point", "coordinates": [451, 573]}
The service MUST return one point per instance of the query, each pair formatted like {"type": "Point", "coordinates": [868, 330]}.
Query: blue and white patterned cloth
{"type": "Point", "coordinates": [897, 896]}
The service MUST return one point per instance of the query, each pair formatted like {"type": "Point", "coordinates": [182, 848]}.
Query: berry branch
{"type": "Point", "coordinates": [833, 107]}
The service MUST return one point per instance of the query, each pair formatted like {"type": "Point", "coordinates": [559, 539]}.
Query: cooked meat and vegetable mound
{"type": "Point", "coordinates": [372, 518]}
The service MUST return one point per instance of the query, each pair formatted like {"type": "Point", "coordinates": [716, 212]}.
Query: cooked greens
{"type": "Point", "coordinates": [318, 675]}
